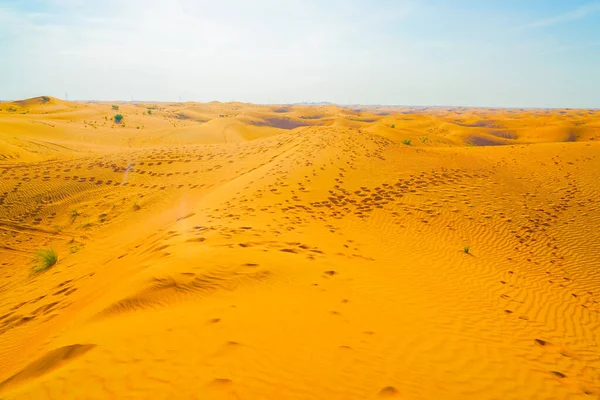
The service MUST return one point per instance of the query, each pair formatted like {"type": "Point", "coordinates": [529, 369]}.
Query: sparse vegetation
{"type": "Point", "coordinates": [407, 142]}
{"type": "Point", "coordinates": [118, 118]}
{"type": "Point", "coordinates": [74, 215]}
{"type": "Point", "coordinates": [424, 139]}
{"type": "Point", "coordinates": [149, 111]}
{"type": "Point", "coordinates": [136, 207]}
{"type": "Point", "coordinates": [115, 107]}
{"type": "Point", "coordinates": [393, 126]}
{"type": "Point", "coordinates": [46, 258]}
{"type": "Point", "coordinates": [45, 99]}
{"type": "Point", "coordinates": [467, 249]}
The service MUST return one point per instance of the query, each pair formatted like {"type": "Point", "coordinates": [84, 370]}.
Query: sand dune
{"type": "Point", "coordinates": [239, 251]}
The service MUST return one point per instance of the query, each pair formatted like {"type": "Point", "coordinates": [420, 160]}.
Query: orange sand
{"type": "Point", "coordinates": [236, 251]}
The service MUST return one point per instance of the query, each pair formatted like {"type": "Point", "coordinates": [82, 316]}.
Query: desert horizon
{"type": "Point", "coordinates": [307, 103]}
{"type": "Point", "coordinates": [242, 251]}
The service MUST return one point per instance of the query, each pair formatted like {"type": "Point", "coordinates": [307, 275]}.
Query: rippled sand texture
{"type": "Point", "coordinates": [236, 251]}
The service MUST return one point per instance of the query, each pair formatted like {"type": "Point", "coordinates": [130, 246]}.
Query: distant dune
{"type": "Point", "coordinates": [240, 251]}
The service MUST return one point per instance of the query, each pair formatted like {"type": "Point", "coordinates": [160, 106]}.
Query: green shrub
{"type": "Point", "coordinates": [407, 142]}
{"type": "Point", "coordinates": [467, 248]}
{"type": "Point", "coordinates": [393, 126]}
{"type": "Point", "coordinates": [46, 258]}
{"type": "Point", "coordinates": [149, 111]}
{"type": "Point", "coordinates": [115, 107]}
{"type": "Point", "coordinates": [118, 118]}
{"type": "Point", "coordinates": [45, 99]}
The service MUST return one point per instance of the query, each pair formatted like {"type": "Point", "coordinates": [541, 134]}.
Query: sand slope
{"type": "Point", "coordinates": [235, 251]}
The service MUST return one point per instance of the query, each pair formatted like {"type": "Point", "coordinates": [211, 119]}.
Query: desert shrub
{"type": "Point", "coordinates": [45, 99]}
{"type": "Point", "coordinates": [393, 126]}
{"type": "Point", "coordinates": [407, 142]}
{"type": "Point", "coordinates": [118, 118]}
{"type": "Point", "coordinates": [115, 107]}
{"type": "Point", "coordinates": [467, 248]}
{"type": "Point", "coordinates": [46, 258]}
{"type": "Point", "coordinates": [149, 111]}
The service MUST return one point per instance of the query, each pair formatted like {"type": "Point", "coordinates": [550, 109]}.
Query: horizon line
{"type": "Point", "coordinates": [311, 103]}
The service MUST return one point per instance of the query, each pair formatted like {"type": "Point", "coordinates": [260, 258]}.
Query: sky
{"type": "Point", "coordinates": [511, 53]}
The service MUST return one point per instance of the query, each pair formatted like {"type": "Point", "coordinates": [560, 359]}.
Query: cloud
{"type": "Point", "coordinates": [573, 15]}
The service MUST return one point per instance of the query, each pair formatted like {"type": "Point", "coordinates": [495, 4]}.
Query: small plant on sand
{"type": "Point", "coordinates": [46, 258]}
{"type": "Point", "coordinates": [115, 107]}
{"type": "Point", "coordinates": [149, 111]}
{"type": "Point", "coordinates": [136, 207]}
{"type": "Point", "coordinates": [45, 99]}
{"type": "Point", "coordinates": [74, 215]}
{"type": "Point", "coordinates": [424, 139]}
{"type": "Point", "coordinates": [393, 126]}
{"type": "Point", "coordinates": [467, 249]}
{"type": "Point", "coordinates": [118, 118]}
{"type": "Point", "coordinates": [407, 142]}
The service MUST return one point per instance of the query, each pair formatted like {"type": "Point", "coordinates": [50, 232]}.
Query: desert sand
{"type": "Point", "coordinates": [240, 251]}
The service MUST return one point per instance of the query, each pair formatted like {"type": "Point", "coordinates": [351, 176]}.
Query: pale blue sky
{"type": "Point", "coordinates": [522, 53]}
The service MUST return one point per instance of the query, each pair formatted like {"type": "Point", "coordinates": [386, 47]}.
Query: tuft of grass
{"type": "Point", "coordinates": [407, 142]}
{"type": "Point", "coordinates": [149, 111]}
{"type": "Point", "coordinates": [424, 139]}
{"type": "Point", "coordinates": [118, 118]}
{"type": "Point", "coordinates": [74, 215]}
{"type": "Point", "coordinates": [393, 126]}
{"type": "Point", "coordinates": [467, 248]}
{"type": "Point", "coordinates": [46, 258]}
{"type": "Point", "coordinates": [115, 107]}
